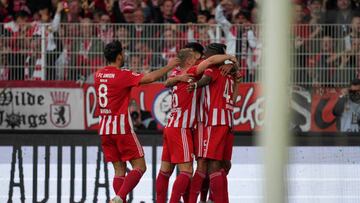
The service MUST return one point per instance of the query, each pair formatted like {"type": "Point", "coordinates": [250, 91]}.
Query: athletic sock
{"type": "Point", "coordinates": [216, 186]}
{"type": "Point", "coordinates": [130, 181]}
{"type": "Point", "coordinates": [117, 183]}
{"type": "Point", "coordinates": [204, 189]}
{"type": "Point", "coordinates": [162, 184]}
{"type": "Point", "coordinates": [196, 186]}
{"type": "Point", "coordinates": [180, 185]}
{"type": "Point", "coordinates": [226, 195]}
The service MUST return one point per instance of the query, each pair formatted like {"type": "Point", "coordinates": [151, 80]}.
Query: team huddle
{"type": "Point", "coordinates": [203, 83]}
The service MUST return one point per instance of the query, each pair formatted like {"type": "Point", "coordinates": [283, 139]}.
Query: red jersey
{"type": "Point", "coordinates": [217, 99]}
{"type": "Point", "coordinates": [113, 88]}
{"type": "Point", "coordinates": [183, 103]}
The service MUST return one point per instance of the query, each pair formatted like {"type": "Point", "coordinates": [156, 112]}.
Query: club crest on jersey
{"type": "Point", "coordinates": [60, 109]}
{"type": "Point", "coordinates": [162, 106]}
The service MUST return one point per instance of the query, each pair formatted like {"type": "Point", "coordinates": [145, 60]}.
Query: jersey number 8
{"type": "Point", "coordinates": [103, 100]}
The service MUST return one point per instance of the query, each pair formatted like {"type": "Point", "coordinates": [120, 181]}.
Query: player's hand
{"type": "Point", "coordinates": [185, 78]}
{"type": "Point", "coordinates": [173, 62]}
{"type": "Point", "coordinates": [233, 59]}
{"type": "Point", "coordinates": [191, 86]}
{"type": "Point", "coordinates": [238, 76]}
{"type": "Point", "coordinates": [60, 7]}
{"type": "Point", "coordinates": [226, 69]}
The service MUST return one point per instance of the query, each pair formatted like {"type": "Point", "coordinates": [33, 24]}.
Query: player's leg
{"type": "Point", "coordinates": [112, 154]}
{"type": "Point", "coordinates": [181, 149]}
{"type": "Point", "coordinates": [130, 150]}
{"type": "Point", "coordinates": [166, 169]}
{"type": "Point", "coordinates": [197, 180]}
{"type": "Point", "coordinates": [204, 189]}
{"type": "Point", "coordinates": [216, 143]}
{"type": "Point", "coordinates": [226, 164]}
{"type": "Point", "coordinates": [182, 181]}
{"type": "Point", "coordinates": [202, 164]}
{"type": "Point", "coordinates": [120, 171]}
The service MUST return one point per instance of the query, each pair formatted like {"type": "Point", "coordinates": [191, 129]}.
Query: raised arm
{"type": "Point", "coordinates": [179, 78]}
{"type": "Point", "coordinates": [214, 60]}
{"type": "Point", "coordinates": [157, 74]}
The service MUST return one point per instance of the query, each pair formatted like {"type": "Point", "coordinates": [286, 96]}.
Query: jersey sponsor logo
{"type": "Point", "coordinates": [60, 110]}
{"type": "Point", "coordinates": [162, 106]}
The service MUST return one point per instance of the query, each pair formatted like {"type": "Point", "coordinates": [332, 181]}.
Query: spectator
{"type": "Point", "coordinates": [141, 119]}
{"type": "Point", "coordinates": [323, 64]}
{"type": "Point", "coordinates": [355, 32]}
{"type": "Point", "coordinates": [106, 30]}
{"type": "Point", "coordinates": [207, 5]}
{"type": "Point", "coordinates": [169, 45]}
{"type": "Point", "coordinates": [86, 52]}
{"type": "Point", "coordinates": [343, 15]}
{"type": "Point", "coordinates": [350, 63]}
{"type": "Point", "coordinates": [316, 13]}
{"type": "Point", "coordinates": [73, 15]}
{"type": "Point", "coordinates": [204, 34]}
{"type": "Point", "coordinates": [53, 43]}
{"type": "Point", "coordinates": [16, 31]}
{"type": "Point", "coordinates": [164, 13]}
{"type": "Point", "coordinates": [34, 69]}
{"type": "Point", "coordinates": [122, 34]}
{"type": "Point", "coordinates": [4, 59]}
{"type": "Point", "coordinates": [347, 109]}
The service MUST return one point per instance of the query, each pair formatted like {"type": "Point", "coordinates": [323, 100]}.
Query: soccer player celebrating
{"type": "Point", "coordinates": [118, 139]}
{"type": "Point", "coordinates": [214, 139]}
{"type": "Point", "coordinates": [177, 144]}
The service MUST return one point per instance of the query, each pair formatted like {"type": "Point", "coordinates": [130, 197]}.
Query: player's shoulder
{"type": "Point", "coordinates": [176, 71]}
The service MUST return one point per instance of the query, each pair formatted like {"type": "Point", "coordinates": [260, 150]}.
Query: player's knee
{"type": "Point", "coordinates": [226, 166]}
{"type": "Point", "coordinates": [202, 165]}
{"type": "Point", "coordinates": [214, 166]}
{"type": "Point", "coordinates": [186, 167]}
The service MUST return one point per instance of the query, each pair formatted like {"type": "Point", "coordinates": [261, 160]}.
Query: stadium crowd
{"type": "Point", "coordinates": [325, 36]}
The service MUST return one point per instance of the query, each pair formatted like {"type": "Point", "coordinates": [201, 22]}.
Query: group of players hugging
{"type": "Point", "coordinates": [203, 83]}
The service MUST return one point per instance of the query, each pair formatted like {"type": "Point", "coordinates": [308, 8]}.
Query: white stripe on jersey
{"type": "Point", "coordinates": [208, 140]}
{"type": "Point", "coordinates": [207, 96]}
{"type": "Point", "coordinates": [178, 114]}
{"type": "Point", "coordinates": [214, 118]}
{"type": "Point", "coordinates": [130, 122]}
{"type": "Point", "coordinates": [102, 119]}
{"type": "Point", "coordinates": [193, 110]}
{"type": "Point", "coordinates": [185, 118]}
{"type": "Point", "coordinates": [170, 121]}
{"type": "Point", "coordinates": [223, 121]}
{"type": "Point", "coordinates": [141, 153]}
{"type": "Point", "coordinates": [185, 145]}
{"type": "Point", "coordinates": [200, 138]}
{"type": "Point", "coordinates": [114, 125]}
{"type": "Point", "coordinates": [122, 124]}
{"type": "Point", "coordinates": [107, 127]}
{"type": "Point", "coordinates": [230, 120]}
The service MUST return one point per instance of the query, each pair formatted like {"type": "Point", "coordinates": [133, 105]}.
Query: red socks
{"type": "Point", "coordinates": [217, 187]}
{"type": "Point", "coordinates": [180, 185]}
{"type": "Point", "coordinates": [117, 182]}
{"type": "Point", "coordinates": [205, 189]}
{"type": "Point", "coordinates": [162, 183]}
{"type": "Point", "coordinates": [226, 196]}
{"type": "Point", "coordinates": [196, 186]}
{"type": "Point", "coordinates": [130, 181]}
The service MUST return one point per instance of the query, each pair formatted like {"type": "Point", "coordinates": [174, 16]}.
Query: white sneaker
{"type": "Point", "coordinates": [117, 199]}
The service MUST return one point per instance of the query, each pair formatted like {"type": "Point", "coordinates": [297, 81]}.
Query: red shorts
{"type": "Point", "coordinates": [121, 147]}
{"type": "Point", "coordinates": [214, 142]}
{"type": "Point", "coordinates": [177, 145]}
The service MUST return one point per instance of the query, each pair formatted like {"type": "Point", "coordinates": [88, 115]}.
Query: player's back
{"type": "Point", "coordinates": [113, 88]}
{"type": "Point", "coordinates": [217, 98]}
{"type": "Point", "coordinates": [183, 106]}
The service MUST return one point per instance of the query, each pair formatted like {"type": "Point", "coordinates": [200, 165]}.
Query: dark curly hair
{"type": "Point", "coordinates": [112, 50]}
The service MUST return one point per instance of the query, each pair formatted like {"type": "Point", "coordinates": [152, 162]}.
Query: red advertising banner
{"type": "Point", "coordinates": [313, 111]}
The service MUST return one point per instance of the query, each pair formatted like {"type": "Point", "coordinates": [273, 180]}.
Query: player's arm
{"type": "Point", "coordinates": [157, 74]}
{"type": "Point", "coordinates": [179, 78]}
{"type": "Point", "coordinates": [205, 80]}
{"type": "Point", "coordinates": [238, 77]}
{"type": "Point", "coordinates": [214, 60]}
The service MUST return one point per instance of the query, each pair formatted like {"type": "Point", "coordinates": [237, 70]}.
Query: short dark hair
{"type": "Point", "coordinates": [112, 50]}
{"type": "Point", "coordinates": [355, 81]}
{"type": "Point", "coordinates": [215, 48]}
{"type": "Point", "coordinates": [195, 46]}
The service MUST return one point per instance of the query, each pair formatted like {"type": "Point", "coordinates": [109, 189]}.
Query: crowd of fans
{"type": "Point", "coordinates": [325, 37]}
